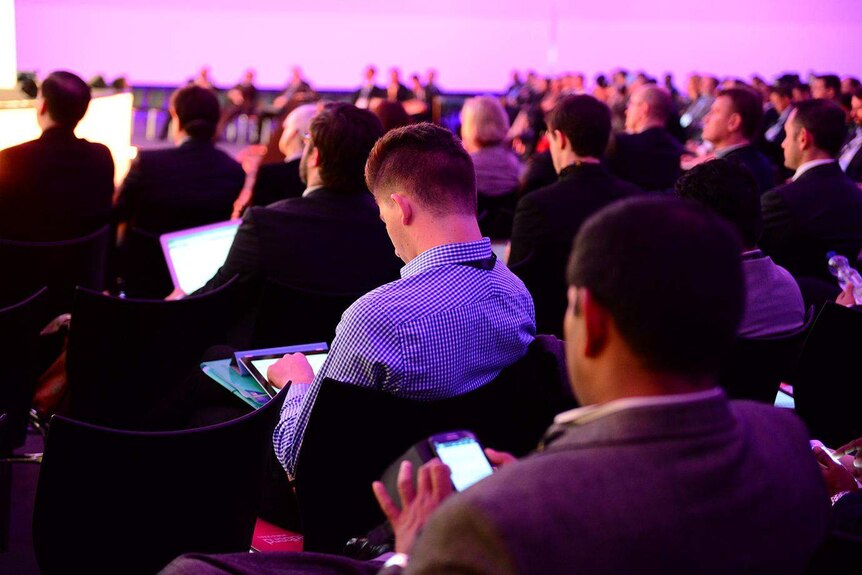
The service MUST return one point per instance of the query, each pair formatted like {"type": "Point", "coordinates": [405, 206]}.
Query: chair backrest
{"type": "Point", "coordinates": [543, 273]}
{"type": "Point", "coordinates": [757, 366]}
{"type": "Point", "coordinates": [496, 214]}
{"type": "Point", "coordinates": [827, 387]}
{"type": "Point", "coordinates": [142, 266]}
{"type": "Point", "coordinates": [126, 357]}
{"type": "Point", "coordinates": [19, 351]}
{"type": "Point", "coordinates": [835, 554]}
{"type": "Point", "coordinates": [111, 501]}
{"type": "Point", "coordinates": [290, 315]}
{"type": "Point", "coordinates": [354, 433]}
{"type": "Point", "coordinates": [61, 266]}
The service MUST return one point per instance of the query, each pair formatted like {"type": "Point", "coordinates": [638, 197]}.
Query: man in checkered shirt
{"type": "Point", "coordinates": [456, 317]}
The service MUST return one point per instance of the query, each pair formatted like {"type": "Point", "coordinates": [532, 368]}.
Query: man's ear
{"type": "Point", "coordinates": [805, 139]}
{"type": "Point", "coordinates": [734, 122]}
{"type": "Point", "coordinates": [564, 141]}
{"type": "Point", "coordinates": [404, 206]}
{"type": "Point", "coordinates": [596, 323]}
{"type": "Point", "coordinates": [43, 108]}
{"type": "Point", "coordinates": [314, 157]}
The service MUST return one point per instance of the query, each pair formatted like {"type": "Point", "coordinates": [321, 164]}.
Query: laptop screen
{"type": "Point", "coordinates": [196, 254]}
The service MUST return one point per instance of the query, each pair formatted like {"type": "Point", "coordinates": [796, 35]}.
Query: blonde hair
{"type": "Point", "coordinates": [487, 118]}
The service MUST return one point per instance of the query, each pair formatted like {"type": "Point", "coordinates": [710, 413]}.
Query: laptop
{"type": "Point", "coordinates": [196, 254]}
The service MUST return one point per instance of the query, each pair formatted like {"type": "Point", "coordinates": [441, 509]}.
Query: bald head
{"type": "Point", "coordinates": [296, 125]}
{"type": "Point", "coordinates": [649, 106]}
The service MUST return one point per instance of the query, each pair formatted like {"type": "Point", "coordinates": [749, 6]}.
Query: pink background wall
{"type": "Point", "coordinates": [473, 43]}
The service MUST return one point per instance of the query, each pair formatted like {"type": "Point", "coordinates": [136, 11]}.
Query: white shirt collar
{"type": "Point", "coordinates": [581, 415]}
{"type": "Point", "coordinates": [725, 151]}
{"type": "Point", "coordinates": [808, 165]}
{"type": "Point", "coordinates": [310, 189]}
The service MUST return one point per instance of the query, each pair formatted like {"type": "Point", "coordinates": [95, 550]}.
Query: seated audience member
{"type": "Point", "coordinates": [732, 124]}
{"type": "Point", "coordinates": [193, 184]}
{"type": "Point", "coordinates": [280, 181]}
{"type": "Point", "coordinates": [826, 87]}
{"type": "Point", "coordinates": [547, 219]}
{"type": "Point", "coordinates": [850, 158]}
{"type": "Point", "coordinates": [56, 187]}
{"type": "Point", "coordinates": [644, 340]}
{"type": "Point", "coordinates": [820, 210]}
{"type": "Point", "coordinates": [368, 91]}
{"type": "Point", "coordinates": [801, 92]}
{"type": "Point", "coordinates": [484, 125]}
{"type": "Point", "coordinates": [242, 99]}
{"type": "Point", "coordinates": [391, 114]}
{"type": "Point", "coordinates": [647, 155]}
{"type": "Point", "coordinates": [781, 99]}
{"type": "Point", "coordinates": [692, 117]}
{"type": "Point", "coordinates": [331, 238]}
{"type": "Point", "coordinates": [456, 317]}
{"type": "Point", "coordinates": [773, 302]}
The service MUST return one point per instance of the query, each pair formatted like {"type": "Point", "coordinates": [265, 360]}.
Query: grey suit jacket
{"type": "Point", "coordinates": [697, 487]}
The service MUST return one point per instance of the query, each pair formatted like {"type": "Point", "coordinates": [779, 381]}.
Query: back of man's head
{"type": "Point", "coordinates": [427, 163]}
{"type": "Point", "coordinates": [749, 105]}
{"type": "Point", "coordinates": [659, 102]}
{"type": "Point", "coordinates": [66, 97]}
{"type": "Point", "coordinates": [668, 273]}
{"type": "Point", "coordinates": [825, 121]}
{"type": "Point", "coordinates": [831, 82]}
{"type": "Point", "coordinates": [344, 135]}
{"type": "Point", "coordinates": [729, 189]}
{"type": "Point", "coordinates": [585, 121]}
{"type": "Point", "coordinates": [197, 111]}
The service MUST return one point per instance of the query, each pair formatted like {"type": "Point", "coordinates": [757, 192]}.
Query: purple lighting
{"type": "Point", "coordinates": [474, 44]}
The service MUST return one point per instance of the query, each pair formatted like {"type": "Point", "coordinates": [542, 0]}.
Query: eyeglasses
{"type": "Point", "coordinates": [306, 137]}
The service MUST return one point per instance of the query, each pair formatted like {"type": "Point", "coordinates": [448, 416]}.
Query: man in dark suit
{"type": "Point", "coordinates": [647, 155]}
{"type": "Point", "coordinates": [820, 211]}
{"type": "Point", "coordinates": [281, 180]}
{"type": "Point", "coordinates": [330, 239]}
{"type": "Point", "coordinates": [191, 185]}
{"type": "Point", "coordinates": [781, 98]}
{"type": "Point", "coordinates": [732, 124]}
{"type": "Point", "coordinates": [851, 154]}
{"type": "Point", "coordinates": [368, 91]}
{"type": "Point", "coordinates": [547, 220]}
{"type": "Point", "coordinates": [58, 187]}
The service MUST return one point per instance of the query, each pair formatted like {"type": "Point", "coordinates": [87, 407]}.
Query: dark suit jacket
{"type": "Point", "coordinates": [546, 222]}
{"type": "Point", "coordinates": [276, 182]}
{"type": "Point", "coordinates": [649, 159]}
{"type": "Point", "coordinates": [803, 220]}
{"type": "Point", "coordinates": [758, 164]}
{"type": "Point", "coordinates": [55, 188]}
{"type": "Point", "coordinates": [376, 92]}
{"type": "Point", "coordinates": [854, 168]}
{"type": "Point", "coordinates": [172, 189]}
{"type": "Point", "coordinates": [707, 498]}
{"type": "Point", "coordinates": [327, 241]}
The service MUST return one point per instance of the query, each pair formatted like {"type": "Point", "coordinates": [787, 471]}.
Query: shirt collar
{"type": "Point", "coordinates": [725, 151]}
{"type": "Point", "coordinates": [448, 254]}
{"type": "Point", "coordinates": [310, 190]}
{"type": "Point", "coordinates": [588, 413]}
{"type": "Point", "coordinates": [808, 165]}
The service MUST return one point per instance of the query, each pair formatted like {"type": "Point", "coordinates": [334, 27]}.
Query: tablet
{"type": "Point", "coordinates": [257, 363]}
{"type": "Point", "coordinates": [196, 254]}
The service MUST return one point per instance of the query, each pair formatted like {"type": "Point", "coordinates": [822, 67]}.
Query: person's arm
{"type": "Point", "coordinates": [243, 259]}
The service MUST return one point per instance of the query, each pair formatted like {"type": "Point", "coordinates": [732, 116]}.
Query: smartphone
{"type": "Point", "coordinates": [830, 452]}
{"type": "Point", "coordinates": [462, 453]}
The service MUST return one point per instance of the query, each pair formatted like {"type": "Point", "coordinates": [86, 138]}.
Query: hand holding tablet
{"type": "Point", "coordinates": [293, 368]}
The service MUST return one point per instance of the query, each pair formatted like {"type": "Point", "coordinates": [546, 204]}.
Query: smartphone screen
{"type": "Point", "coordinates": [465, 458]}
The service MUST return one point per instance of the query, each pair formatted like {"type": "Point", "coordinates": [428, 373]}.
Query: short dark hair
{"type": "Point", "coordinates": [659, 101]}
{"type": "Point", "coordinates": [668, 272]}
{"type": "Point", "coordinates": [749, 105]}
{"type": "Point", "coordinates": [66, 97]}
{"type": "Point", "coordinates": [831, 81]}
{"type": "Point", "coordinates": [391, 114]}
{"type": "Point", "coordinates": [429, 163]}
{"type": "Point", "coordinates": [344, 135]}
{"type": "Point", "coordinates": [783, 90]}
{"type": "Point", "coordinates": [825, 121]}
{"type": "Point", "coordinates": [585, 121]}
{"type": "Point", "coordinates": [728, 188]}
{"type": "Point", "coordinates": [197, 111]}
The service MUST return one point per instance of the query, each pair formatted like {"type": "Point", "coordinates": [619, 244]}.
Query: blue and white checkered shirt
{"type": "Point", "coordinates": [447, 327]}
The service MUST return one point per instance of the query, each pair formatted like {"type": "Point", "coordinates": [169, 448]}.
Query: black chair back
{"type": "Point", "coordinates": [20, 325]}
{"type": "Point", "coordinates": [836, 554]}
{"type": "Point", "coordinates": [61, 266]}
{"type": "Point", "coordinates": [496, 214]}
{"type": "Point", "coordinates": [142, 266]}
{"type": "Point", "coordinates": [355, 433]}
{"type": "Point", "coordinates": [111, 501]}
{"type": "Point", "coordinates": [128, 358]}
{"type": "Point", "coordinates": [290, 315]}
{"type": "Point", "coordinates": [544, 276]}
{"type": "Point", "coordinates": [757, 366]}
{"type": "Point", "coordinates": [827, 387]}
